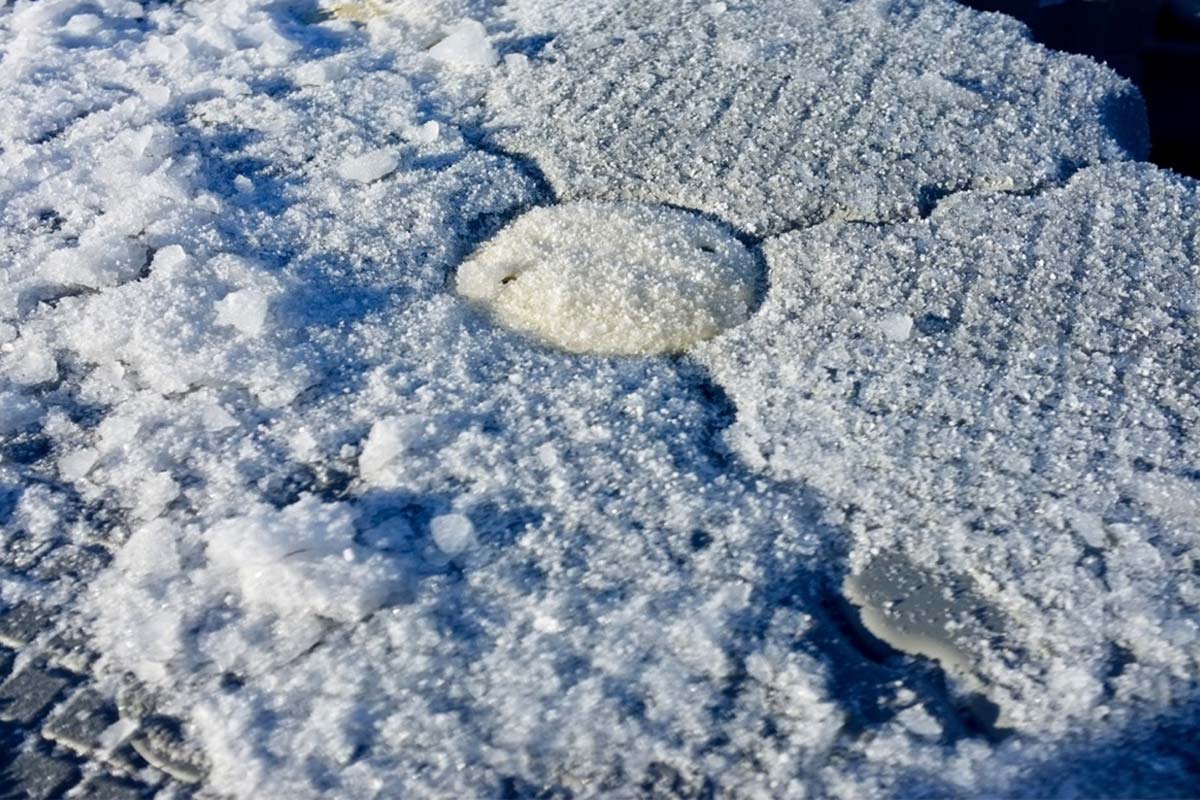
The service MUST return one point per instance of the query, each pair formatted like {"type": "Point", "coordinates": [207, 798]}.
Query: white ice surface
{"type": "Point", "coordinates": [370, 543]}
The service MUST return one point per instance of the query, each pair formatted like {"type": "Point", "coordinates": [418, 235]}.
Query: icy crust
{"type": "Point", "coordinates": [778, 114]}
{"type": "Point", "coordinates": [614, 278]}
{"type": "Point", "coordinates": [369, 544]}
{"type": "Point", "coordinates": [1006, 392]}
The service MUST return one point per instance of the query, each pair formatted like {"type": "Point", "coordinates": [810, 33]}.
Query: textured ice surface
{"type": "Point", "coordinates": [614, 278]}
{"type": "Point", "coordinates": [371, 544]}
{"type": "Point", "coordinates": [776, 114]}
{"type": "Point", "coordinates": [1037, 432]}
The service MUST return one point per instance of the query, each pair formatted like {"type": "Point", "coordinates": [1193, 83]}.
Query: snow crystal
{"type": "Point", "coordinates": [612, 278]}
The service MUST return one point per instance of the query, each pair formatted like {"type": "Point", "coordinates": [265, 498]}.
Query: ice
{"type": "Point", "coordinates": [897, 327]}
{"type": "Point", "coordinates": [28, 363]}
{"type": "Point", "coordinates": [292, 562]}
{"type": "Point", "coordinates": [75, 465]}
{"type": "Point", "coordinates": [466, 45]}
{"type": "Point", "coordinates": [1044, 382]}
{"type": "Point", "coordinates": [245, 309]}
{"type": "Point", "coordinates": [368, 167]}
{"type": "Point", "coordinates": [427, 133]}
{"type": "Point", "coordinates": [452, 533]}
{"type": "Point", "coordinates": [613, 278]}
{"type": "Point", "coordinates": [369, 540]}
{"type": "Point", "coordinates": [797, 112]}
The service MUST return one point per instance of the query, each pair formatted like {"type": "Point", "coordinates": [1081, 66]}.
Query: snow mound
{"type": "Point", "coordinates": [777, 114]}
{"type": "Point", "coordinates": [1034, 433]}
{"type": "Point", "coordinates": [614, 278]}
{"type": "Point", "coordinates": [301, 560]}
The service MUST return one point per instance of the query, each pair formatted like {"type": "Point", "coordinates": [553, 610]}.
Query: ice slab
{"type": "Point", "coordinates": [1036, 432]}
{"type": "Point", "coordinates": [778, 114]}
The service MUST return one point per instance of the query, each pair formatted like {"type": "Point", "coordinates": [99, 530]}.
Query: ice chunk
{"type": "Point", "coordinates": [896, 327]}
{"type": "Point", "coordinates": [245, 309]}
{"type": "Point", "coordinates": [614, 278]}
{"type": "Point", "coordinates": [387, 441]}
{"type": "Point", "coordinates": [292, 561]}
{"type": "Point", "coordinates": [367, 167]}
{"type": "Point", "coordinates": [29, 363]}
{"type": "Point", "coordinates": [466, 44]}
{"type": "Point", "coordinates": [452, 533]}
{"type": "Point", "coordinates": [77, 464]}
{"type": "Point", "coordinates": [426, 133]}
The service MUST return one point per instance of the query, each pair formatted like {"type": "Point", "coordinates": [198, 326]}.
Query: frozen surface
{"type": "Point", "coordinates": [777, 114]}
{"type": "Point", "coordinates": [369, 543]}
{"type": "Point", "coordinates": [614, 278]}
{"type": "Point", "coordinates": [1036, 430]}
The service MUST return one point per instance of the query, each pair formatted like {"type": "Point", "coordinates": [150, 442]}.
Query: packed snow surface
{"type": "Point", "coordinates": [281, 441]}
{"type": "Point", "coordinates": [614, 278]}
{"type": "Point", "coordinates": [778, 113]}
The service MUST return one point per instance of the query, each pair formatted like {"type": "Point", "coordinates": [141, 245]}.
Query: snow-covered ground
{"type": "Point", "coordinates": [371, 537]}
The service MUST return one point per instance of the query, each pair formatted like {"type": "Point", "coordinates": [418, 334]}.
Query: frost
{"type": "Point", "coordinates": [621, 279]}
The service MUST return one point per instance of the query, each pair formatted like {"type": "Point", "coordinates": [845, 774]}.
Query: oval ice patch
{"type": "Point", "coordinates": [614, 278]}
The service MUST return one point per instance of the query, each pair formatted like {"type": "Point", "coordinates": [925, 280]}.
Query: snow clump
{"type": "Point", "coordinates": [618, 279]}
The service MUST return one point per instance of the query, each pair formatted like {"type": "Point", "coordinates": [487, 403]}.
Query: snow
{"type": "Point", "coordinates": [452, 533]}
{"type": "Point", "coordinates": [466, 45]}
{"type": "Point", "coordinates": [613, 278]}
{"type": "Point", "coordinates": [368, 167]}
{"type": "Point", "coordinates": [245, 309]}
{"type": "Point", "coordinates": [1044, 381]}
{"type": "Point", "coordinates": [804, 111]}
{"type": "Point", "coordinates": [382, 524]}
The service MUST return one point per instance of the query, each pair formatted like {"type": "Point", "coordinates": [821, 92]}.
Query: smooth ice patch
{"type": "Point", "coordinates": [618, 279]}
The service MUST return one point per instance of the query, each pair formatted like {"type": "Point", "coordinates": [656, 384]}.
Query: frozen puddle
{"type": "Point", "coordinates": [614, 278]}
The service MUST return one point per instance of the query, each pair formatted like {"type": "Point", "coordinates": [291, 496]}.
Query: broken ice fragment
{"type": "Point", "coordinates": [367, 167]}
{"type": "Point", "coordinates": [466, 44]}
